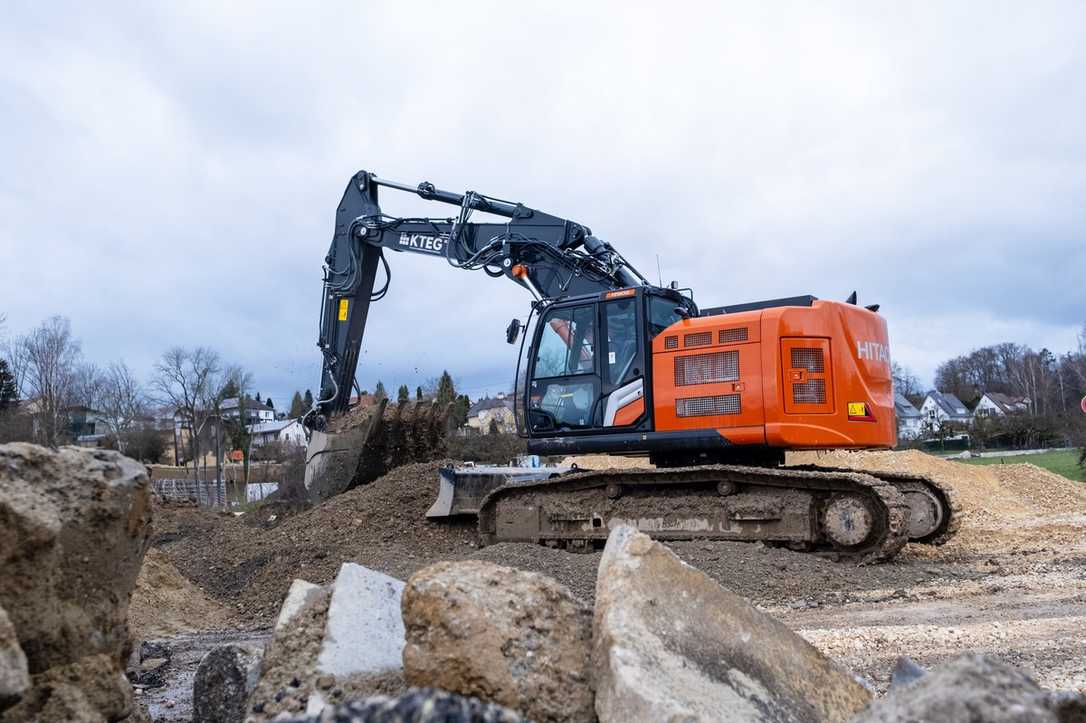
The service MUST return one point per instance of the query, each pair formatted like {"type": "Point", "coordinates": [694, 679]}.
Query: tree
{"type": "Point", "coordinates": [379, 392]}
{"type": "Point", "coordinates": [403, 394]}
{"type": "Point", "coordinates": [905, 382]}
{"type": "Point", "coordinates": [9, 393]}
{"type": "Point", "coordinates": [237, 429]}
{"type": "Point", "coordinates": [493, 427]}
{"type": "Point", "coordinates": [51, 354]}
{"type": "Point", "coordinates": [446, 391]}
{"type": "Point", "coordinates": [257, 397]}
{"type": "Point", "coordinates": [121, 403]}
{"type": "Point", "coordinates": [297, 406]}
{"type": "Point", "coordinates": [458, 411]}
{"type": "Point", "coordinates": [187, 379]}
{"type": "Point", "coordinates": [307, 399]}
{"type": "Point", "coordinates": [88, 383]}
{"type": "Point", "coordinates": [418, 394]}
{"type": "Point", "coordinates": [230, 390]}
{"type": "Point", "coordinates": [269, 404]}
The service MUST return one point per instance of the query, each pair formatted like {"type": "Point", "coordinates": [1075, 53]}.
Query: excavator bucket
{"type": "Point", "coordinates": [366, 442]}
{"type": "Point", "coordinates": [462, 489]}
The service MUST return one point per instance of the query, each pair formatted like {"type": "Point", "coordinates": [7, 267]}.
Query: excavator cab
{"type": "Point", "coordinates": [587, 366]}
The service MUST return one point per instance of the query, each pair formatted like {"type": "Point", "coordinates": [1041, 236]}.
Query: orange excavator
{"type": "Point", "coordinates": [610, 363]}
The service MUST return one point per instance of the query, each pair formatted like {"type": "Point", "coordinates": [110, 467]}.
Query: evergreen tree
{"type": "Point", "coordinates": [9, 395]}
{"type": "Point", "coordinates": [297, 406]}
{"type": "Point", "coordinates": [229, 390]}
{"type": "Point", "coordinates": [379, 392]}
{"type": "Point", "coordinates": [403, 395]}
{"type": "Point", "coordinates": [446, 392]}
{"type": "Point", "coordinates": [258, 396]}
{"type": "Point", "coordinates": [269, 404]}
{"type": "Point", "coordinates": [458, 411]}
{"type": "Point", "coordinates": [418, 394]}
{"type": "Point", "coordinates": [307, 399]}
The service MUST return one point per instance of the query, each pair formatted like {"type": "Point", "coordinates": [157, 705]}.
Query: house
{"type": "Point", "coordinates": [255, 412]}
{"type": "Point", "coordinates": [86, 426]}
{"type": "Point", "coordinates": [289, 431]}
{"type": "Point", "coordinates": [497, 409]}
{"type": "Point", "coordinates": [909, 420]}
{"type": "Point", "coordinates": [940, 408]}
{"type": "Point", "coordinates": [997, 404]}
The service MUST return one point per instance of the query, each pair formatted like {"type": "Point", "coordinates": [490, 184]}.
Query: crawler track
{"type": "Point", "coordinates": [851, 514]}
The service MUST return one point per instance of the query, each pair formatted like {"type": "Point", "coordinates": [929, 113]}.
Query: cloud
{"type": "Point", "coordinates": [172, 172]}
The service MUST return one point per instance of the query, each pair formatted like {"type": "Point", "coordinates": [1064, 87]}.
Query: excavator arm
{"type": "Point", "coordinates": [550, 256]}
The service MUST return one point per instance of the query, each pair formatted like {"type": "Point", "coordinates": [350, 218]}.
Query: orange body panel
{"type": "Point", "coordinates": [781, 376]}
{"type": "Point", "coordinates": [630, 413]}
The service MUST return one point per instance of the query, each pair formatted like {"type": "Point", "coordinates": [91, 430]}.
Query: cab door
{"type": "Point", "coordinates": [622, 402]}
{"type": "Point", "coordinates": [564, 384]}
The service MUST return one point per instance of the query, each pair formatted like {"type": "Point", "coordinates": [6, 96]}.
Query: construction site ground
{"type": "Point", "coordinates": [1011, 584]}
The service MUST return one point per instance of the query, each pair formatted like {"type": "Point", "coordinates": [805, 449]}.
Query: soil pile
{"type": "Point", "coordinates": [165, 603]}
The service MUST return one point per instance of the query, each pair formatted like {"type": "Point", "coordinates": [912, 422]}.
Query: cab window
{"type": "Point", "coordinates": [661, 314]}
{"type": "Point", "coordinates": [567, 343]}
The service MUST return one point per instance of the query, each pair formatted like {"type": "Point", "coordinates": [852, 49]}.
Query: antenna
{"type": "Point", "coordinates": [659, 275]}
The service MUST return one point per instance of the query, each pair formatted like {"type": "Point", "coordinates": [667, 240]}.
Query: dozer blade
{"type": "Point", "coordinates": [365, 443]}
{"type": "Point", "coordinates": [462, 489]}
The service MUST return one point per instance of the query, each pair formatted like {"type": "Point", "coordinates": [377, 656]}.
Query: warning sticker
{"type": "Point", "coordinates": [857, 409]}
{"type": "Point", "coordinates": [343, 309]}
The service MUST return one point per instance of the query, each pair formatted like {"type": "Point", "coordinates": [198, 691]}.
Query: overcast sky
{"type": "Point", "coordinates": [170, 176]}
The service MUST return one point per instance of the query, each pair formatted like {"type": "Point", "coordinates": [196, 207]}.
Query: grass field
{"type": "Point", "coordinates": [1063, 462]}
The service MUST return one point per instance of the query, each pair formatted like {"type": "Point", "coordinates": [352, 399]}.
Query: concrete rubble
{"type": "Point", "coordinates": [974, 688]}
{"type": "Point", "coordinates": [671, 644]}
{"type": "Point", "coordinates": [14, 676]}
{"type": "Point", "coordinates": [224, 681]}
{"type": "Point", "coordinates": [516, 638]}
{"type": "Point", "coordinates": [415, 706]}
{"type": "Point", "coordinates": [74, 526]}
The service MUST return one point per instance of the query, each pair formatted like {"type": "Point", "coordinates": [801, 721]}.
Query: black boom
{"type": "Point", "coordinates": [550, 256]}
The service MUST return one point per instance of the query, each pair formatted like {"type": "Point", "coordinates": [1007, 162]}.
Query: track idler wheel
{"type": "Point", "coordinates": [925, 513]}
{"type": "Point", "coordinates": [848, 520]}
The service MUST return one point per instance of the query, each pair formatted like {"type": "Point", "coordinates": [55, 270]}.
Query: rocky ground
{"type": "Point", "coordinates": [1012, 584]}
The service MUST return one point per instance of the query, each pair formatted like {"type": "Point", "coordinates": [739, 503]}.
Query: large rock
{"type": "Point", "coordinates": [74, 525]}
{"type": "Point", "coordinates": [365, 632]}
{"type": "Point", "coordinates": [977, 689]}
{"type": "Point", "coordinates": [225, 678]}
{"type": "Point", "coordinates": [14, 677]}
{"type": "Point", "coordinates": [512, 637]}
{"type": "Point", "coordinates": [671, 644]}
{"type": "Point", "coordinates": [415, 706]}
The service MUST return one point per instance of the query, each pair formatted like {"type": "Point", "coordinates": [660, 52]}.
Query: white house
{"type": "Point", "coordinates": [942, 407]}
{"type": "Point", "coordinates": [909, 420]}
{"type": "Point", "coordinates": [285, 430]}
{"type": "Point", "coordinates": [255, 412]}
{"type": "Point", "coordinates": [996, 404]}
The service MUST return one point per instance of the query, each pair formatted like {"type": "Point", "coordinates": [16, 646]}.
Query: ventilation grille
{"type": "Point", "coordinates": [809, 359]}
{"type": "Point", "coordinates": [671, 342]}
{"type": "Point", "coordinates": [707, 406]}
{"type": "Point", "coordinates": [735, 334]}
{"type": "Point", "coordinates": [702, 338]}
{"type": "Point", "coordinates": [721, 366]}
{"type": "Point", "coordinates": [812, 391]}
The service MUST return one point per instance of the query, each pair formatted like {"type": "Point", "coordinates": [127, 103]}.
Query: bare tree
{"type": "Point", "coordinates": [52, 355]}
{"type": "Point", "coordinates": [187, 379]}
{"type": "Point", "coordinates": [122, 402]}
{"type": "Point", "coordinates": [88, 384]}
{"type": "Point", "coordinates": [905, 382]}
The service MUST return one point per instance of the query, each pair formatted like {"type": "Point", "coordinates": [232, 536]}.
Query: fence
{"type": "Point", "coordinates": [208, 493]}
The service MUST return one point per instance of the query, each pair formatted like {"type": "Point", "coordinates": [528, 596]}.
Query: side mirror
{"type": "Point", "coordinates": [681, 311]}
{"type": "Point", "coordinates": [512, 331]}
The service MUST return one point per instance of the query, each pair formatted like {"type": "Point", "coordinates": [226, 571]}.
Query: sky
{"type": "Point", "coordinates": [171, 170]}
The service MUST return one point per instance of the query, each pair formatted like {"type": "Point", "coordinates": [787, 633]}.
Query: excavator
{"type": "Point", "coordinates": [611, 363]}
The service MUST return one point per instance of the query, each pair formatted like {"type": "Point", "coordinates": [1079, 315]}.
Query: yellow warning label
{"type": "Point", "coordinates": [857, 409]}
{"type": "Point", "coordinates": [343, 309]}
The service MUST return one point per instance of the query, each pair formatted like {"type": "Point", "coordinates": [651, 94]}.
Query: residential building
{"type": "Point", "coordinates": [941, 408]}
{"type": "Point", "coordinates": [86, 426]}
{"type": "Point", "coordinates": [290, 431]}
{"type": "Point", "coordinates": [497, 409]}
{"type": "Point", "coordinates": [997, 404]}
{"type": "Point", "coordinates": [255, 412]}
{"type": "Point", "coordinates": [909, 420]}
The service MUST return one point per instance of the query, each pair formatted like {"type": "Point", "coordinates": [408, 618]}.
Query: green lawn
{"type": "Point", "coordinates": [1062, 462]}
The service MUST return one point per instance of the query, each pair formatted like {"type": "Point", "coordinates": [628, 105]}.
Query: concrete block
{"type": "Point", "coordinates": [365, 632]}
{"type": "Point", "coordinates": [296, 598]}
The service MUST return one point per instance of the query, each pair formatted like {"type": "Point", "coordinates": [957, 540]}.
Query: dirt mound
{"type": "Point", "coordinates": [165, 603]}
{"type": "Point", "coordinates": [1044, 491]}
